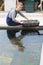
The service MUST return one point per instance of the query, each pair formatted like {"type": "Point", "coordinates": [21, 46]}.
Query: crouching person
{"type": "Point", "coordinates": [11, 18]}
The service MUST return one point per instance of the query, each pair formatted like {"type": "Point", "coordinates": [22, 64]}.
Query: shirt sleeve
{"type": "Point", "coordinates": [14, 13]}
{"type": "Point", "coordinates": [21, 14]}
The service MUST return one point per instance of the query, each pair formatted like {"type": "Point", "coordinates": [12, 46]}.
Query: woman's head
{"type": "Point", "coordinates": [19, 6]}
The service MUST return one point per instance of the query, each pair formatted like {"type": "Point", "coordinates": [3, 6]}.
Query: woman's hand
{"type": "Point", "coordinates": [21, 22]}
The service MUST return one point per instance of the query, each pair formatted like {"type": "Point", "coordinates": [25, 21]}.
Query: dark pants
{"type": "Point", "coordinates": [12, 23]}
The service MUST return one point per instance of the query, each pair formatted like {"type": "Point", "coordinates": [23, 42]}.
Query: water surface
{"type": "Point", "coordinates": [20, 50]}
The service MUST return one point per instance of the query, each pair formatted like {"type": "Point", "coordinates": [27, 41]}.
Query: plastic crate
{"type": "Point", "coordinates": [29, 6]}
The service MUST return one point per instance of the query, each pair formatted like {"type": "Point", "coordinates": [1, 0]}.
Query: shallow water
{"type": "Point", "coordinates": [23, 49]}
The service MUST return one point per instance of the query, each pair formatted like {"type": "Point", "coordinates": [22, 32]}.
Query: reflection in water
{"type": "Point", "coordinates": [31, 52]}
{"type": "Point", "coordinates": [30, 32]}
{"type": "Point", "coordinates": [15, 40]}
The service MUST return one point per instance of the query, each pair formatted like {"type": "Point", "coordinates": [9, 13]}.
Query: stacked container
{"type": "Point", "coordinates": [29, 5]}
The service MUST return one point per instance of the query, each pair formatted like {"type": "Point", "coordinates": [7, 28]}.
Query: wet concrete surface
{"type": "Point", "coordinates": [23, 49]}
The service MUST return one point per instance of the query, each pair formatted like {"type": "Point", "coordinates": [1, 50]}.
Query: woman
{"type": "Point", "coordinates": [11, 18]}
{"type": "Point", "coordinates": [12, 15]}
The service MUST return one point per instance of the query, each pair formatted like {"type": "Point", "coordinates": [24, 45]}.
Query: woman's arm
{"type": "Point", "coordinates": [23, 15]}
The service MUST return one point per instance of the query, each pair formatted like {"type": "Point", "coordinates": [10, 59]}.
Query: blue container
{"type": "Point", "coordinates": [29, 6]}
